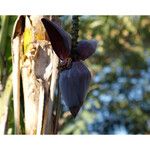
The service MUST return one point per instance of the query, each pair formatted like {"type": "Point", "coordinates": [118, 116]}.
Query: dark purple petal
{"type": "Point", "coordinates": [73, 85]}
{"type": "Point", "coordinates": [74, 110]}
{"type": "Point", "coordinates": [60, 40]}
{"type": "Point", "coordinates": [86, 48]}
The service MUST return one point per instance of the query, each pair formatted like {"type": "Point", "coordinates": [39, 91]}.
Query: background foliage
{"type": "Point", "coordinates": [118, 101]}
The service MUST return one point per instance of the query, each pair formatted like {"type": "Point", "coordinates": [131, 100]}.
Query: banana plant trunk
{"type": "Point", "coordinates": [37, 64]}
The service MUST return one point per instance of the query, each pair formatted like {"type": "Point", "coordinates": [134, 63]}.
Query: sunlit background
{"type": "Point", "coordinates": [118, 101]}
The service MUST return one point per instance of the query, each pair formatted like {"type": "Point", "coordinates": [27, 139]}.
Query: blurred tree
{"type": "Point", "coordinates": [6, 24]}
{"type": "Point", "coordinates": [118, 99]}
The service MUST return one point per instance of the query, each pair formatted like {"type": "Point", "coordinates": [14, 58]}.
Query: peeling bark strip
{"type": "Point", "coordinates": [39, 63]}
{"type": "Point", "coordinates": [16, 50]}
{"type": "Point", "coordinates": [16, 82]}
{"type": "Point", "coordinates": [36, 71]}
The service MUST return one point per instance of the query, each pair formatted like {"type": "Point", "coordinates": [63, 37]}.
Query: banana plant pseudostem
{"type": "Point", "coordinates": [35, 61]}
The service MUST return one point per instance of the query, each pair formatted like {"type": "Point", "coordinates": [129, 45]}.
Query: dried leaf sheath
{"type": "Point", "coordinates": [16, 82]}
{"type": "Point", "coordinates": [38, 64]}
{"type": "Point", "coordinates": [16, 50]}
{"type": "Point", "coordinates": [48, 126]}
{"type": "Point", "coordinates": [37, 53]}
{"type": "Point", "coordinates": [47, 118]}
